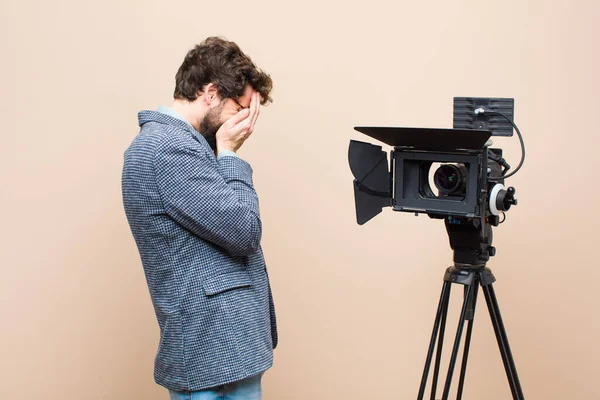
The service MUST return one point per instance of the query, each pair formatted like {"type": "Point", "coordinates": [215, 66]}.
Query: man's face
{"type": "Point", "coordinates": [216, 116]}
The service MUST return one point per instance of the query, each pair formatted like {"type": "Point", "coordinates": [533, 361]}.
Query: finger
{"type": "Point", "coordinates": [257, 108]}
{"type": "Point", "coordinates": [242, 127]}
{"type": "Point", "coordinates": [237, 118]}
{"type": "Point", "coordinates": [255, 105]}
{"type": "Point", "coordinates": [251, 107]}
{"type": "Point", "coordinates": [257, 112]}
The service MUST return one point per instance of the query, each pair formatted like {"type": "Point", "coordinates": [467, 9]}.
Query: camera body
{"type": "Point", "coordinates": [444, 173]}
{"type": "Point", "coordinates": [457, 187]}
{"type": "Point", "coordinates": [440, 172]}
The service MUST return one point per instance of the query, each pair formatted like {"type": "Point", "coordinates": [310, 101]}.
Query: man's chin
{"type": "Point", "coordinates": [208, 128]}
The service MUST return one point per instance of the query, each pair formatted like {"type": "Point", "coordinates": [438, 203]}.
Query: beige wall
{"type": "Point", "coordinates": [356, 304]}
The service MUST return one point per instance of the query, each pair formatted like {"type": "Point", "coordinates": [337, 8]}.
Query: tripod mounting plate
{"type": "Point", "coordinates": [465, 276]}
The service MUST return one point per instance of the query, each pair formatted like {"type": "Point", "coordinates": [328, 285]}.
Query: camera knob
{"type": "Point", "coordinates": [509, 198]}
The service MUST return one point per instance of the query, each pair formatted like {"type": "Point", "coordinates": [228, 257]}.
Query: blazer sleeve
{"type": "Point", "coordinates": [213, 199]}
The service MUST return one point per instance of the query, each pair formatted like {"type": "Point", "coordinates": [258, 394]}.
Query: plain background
{"type": "Point", "coordinates": [355, 303]}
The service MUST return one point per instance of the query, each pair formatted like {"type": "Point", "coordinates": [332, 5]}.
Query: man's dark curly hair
{"type": "Point", "coordinates": [222, 63]}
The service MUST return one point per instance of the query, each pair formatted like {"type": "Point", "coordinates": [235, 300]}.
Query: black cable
{"type": "Point", "coordinates": [503, 219]}
{"type": "Point", "coordinates": [484, 111]}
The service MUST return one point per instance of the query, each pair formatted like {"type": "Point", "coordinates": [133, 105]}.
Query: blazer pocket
{"type": "Point", "coordinates": [231, 280]}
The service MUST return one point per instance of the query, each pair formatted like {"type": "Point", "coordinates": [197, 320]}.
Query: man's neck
{"type": "Point", "coordinates": [187, 110]}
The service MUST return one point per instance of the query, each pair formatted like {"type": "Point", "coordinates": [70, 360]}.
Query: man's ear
{"type": "Point", "coordinates": [210, 94]}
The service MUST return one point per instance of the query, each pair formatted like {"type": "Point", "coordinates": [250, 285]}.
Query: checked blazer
{"type": "Point", "coordinates": [196, 223]}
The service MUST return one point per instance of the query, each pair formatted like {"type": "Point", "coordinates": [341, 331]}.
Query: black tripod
{"type": "Point", "coordinates": [469, 270]}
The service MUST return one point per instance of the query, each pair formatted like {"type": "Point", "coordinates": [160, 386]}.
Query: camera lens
{"type": "Point", "coordinates": [450, 178]}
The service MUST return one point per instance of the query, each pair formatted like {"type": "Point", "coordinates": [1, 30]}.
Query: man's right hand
{"type": "Point", "coordinates": [234, 132]}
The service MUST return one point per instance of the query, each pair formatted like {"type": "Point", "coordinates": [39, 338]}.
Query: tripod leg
{"type": "Point", "coordinates": [441, 311]}
{"type": "Point", "coordinates": [461, 324]}
{"type": "Point", "coordinates": [470, 318]}
{"type": "Point", "coordinates": [507, 358]}
{"type": "Point", "coordinates": [438, 355]}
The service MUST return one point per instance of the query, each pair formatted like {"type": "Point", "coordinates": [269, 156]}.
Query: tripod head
{"type": "Point", "coordinates": [472, 244]}
{"type": "Point", "coordinates": [471, 238]}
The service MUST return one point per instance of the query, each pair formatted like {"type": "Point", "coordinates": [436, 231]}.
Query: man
{"type": "Point", "coordinates": [194, 214]}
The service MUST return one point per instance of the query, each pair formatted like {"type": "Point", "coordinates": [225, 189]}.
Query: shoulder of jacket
{"type": "Point", "coordinates": [165, 137]}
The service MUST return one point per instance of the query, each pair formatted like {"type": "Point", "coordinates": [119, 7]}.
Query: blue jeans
{"type": "Point", "coordinates": [246, 389]}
